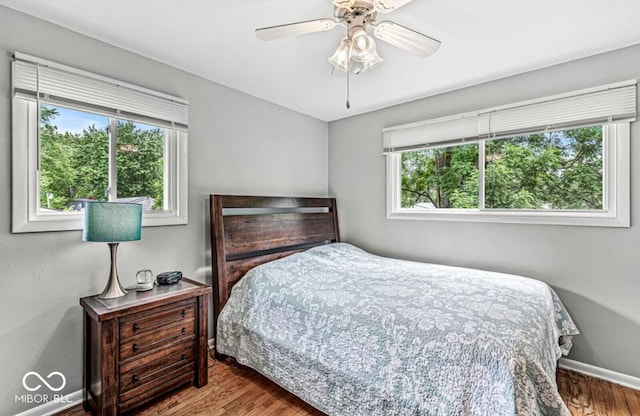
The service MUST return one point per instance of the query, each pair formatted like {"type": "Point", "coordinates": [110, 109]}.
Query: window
{"type": "Point", "coordinates": [444, 177]}
{"type": "Point", "coordinates": [559, 170]}
{"type": "Point", "coordinates": [79, 137]}
{"type": "Point", "coordinates": [74, 160]}
{"type": "Point", "coordinates": [513, 170]}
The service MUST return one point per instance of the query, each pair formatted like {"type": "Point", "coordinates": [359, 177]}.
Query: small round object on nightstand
{"type": "Point", "coordinates": [145, 280]}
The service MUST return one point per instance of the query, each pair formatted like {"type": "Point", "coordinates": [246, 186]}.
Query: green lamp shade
{"type": "Point", "coordinates": [112, 222]}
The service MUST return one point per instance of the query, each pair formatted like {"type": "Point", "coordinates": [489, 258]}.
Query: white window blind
{"type": "Point", "coordinates": [35, 78]}
{"type": "Point", "coordinates": [610, 103]}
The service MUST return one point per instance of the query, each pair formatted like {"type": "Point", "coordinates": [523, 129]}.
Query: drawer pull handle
{"type": "Point", "coordinates": [177, 364]}
{"type": "Point", "coordinates": [183, 314]}
{"type": "Point", "coordinates": [136, 347]}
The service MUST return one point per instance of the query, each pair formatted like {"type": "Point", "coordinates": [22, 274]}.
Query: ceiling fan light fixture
{"type": "Point", "coordinates": [362, 46]}
{"type": "Point", "coordinates": [374, 60]}
{"type": "Point", "coordinates": [357, 51]}
{"type": "Point", "coordinates": [343, 4]}
{"type": "Point", "coordinates": [341, 57]}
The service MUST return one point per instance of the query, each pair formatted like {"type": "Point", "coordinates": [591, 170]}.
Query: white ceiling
{"type": "Point", "coordinates": [481, 41]}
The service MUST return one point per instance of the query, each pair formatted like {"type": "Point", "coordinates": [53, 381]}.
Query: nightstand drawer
{"type": "Point", "coordinates": [150, 367]}
{"type": "Point", "coordinates": [148, 321]}
{"type": "Point", "coordinates": [168, 381]}
{"type": "Point", "coordinates": [149, 341]}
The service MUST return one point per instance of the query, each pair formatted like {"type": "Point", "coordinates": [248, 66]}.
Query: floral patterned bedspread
{"type": "Point", "coordinates": [352, 333]}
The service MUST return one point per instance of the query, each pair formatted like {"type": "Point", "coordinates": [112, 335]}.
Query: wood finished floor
{"type": "Point", "coordinates": [236, 390]}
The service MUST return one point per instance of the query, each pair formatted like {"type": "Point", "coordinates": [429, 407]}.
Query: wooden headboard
{"type": "Point", "coordinates": [247, 231]}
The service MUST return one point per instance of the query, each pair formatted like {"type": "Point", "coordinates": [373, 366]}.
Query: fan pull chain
{"type": "Point", "coordinates": [348, 103]}
{"type": "Point", "coordinates": [348, 65]}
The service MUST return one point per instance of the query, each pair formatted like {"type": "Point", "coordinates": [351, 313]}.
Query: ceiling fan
{"type": "Point", "coordinates": [357, 50]}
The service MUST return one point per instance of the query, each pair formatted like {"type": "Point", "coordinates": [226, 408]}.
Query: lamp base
{"type": "Point", "coordinates": [113, 289]}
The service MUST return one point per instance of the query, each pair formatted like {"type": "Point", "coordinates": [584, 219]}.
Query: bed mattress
{"type": "Point", "coordinates": [352, 333]}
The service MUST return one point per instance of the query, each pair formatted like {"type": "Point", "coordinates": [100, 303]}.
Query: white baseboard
{"type": "Point", "coordinates": [601, 373]}
{"type": "Point", "coordinates": [51, 408]}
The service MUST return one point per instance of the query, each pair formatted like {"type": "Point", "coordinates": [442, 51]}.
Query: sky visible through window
{"type": "Point", "coordinates": [75, 121]}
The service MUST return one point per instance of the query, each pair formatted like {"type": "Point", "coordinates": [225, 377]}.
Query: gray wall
{"type": "Point", "coordinates": [240, 144]}
{"type": "Point", "coordinates": [237, 144]}
{"type": "Point", "coordinates": [596, 271]}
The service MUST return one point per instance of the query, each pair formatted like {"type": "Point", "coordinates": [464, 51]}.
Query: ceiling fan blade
{"type": "Point", "coordinates": [386, 6]}
{"type": "Point", "coordinates": [294, 29]}
{"type": "Point", "coordinates": [405, 38]}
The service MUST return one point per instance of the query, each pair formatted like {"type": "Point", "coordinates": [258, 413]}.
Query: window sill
{"type": "Point", "coordinates": [71, 222]}
{"type": "Point", "coordinates": [589, 219]}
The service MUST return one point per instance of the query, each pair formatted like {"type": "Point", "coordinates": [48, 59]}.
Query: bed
{"type": "Point", "coordinates": [352, 333]}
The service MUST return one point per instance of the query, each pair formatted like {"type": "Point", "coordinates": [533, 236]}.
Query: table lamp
{"type": "Point", "coordinates": [112, 222]}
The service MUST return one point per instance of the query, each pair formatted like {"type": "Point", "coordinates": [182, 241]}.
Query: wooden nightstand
{"type": "Point", "coordinates": [142, 345]}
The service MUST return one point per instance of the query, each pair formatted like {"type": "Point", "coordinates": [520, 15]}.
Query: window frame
{"type": "Point", "coordinates": [616, 198]}
{"type": "Point", "coordinates": [26, 215]}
